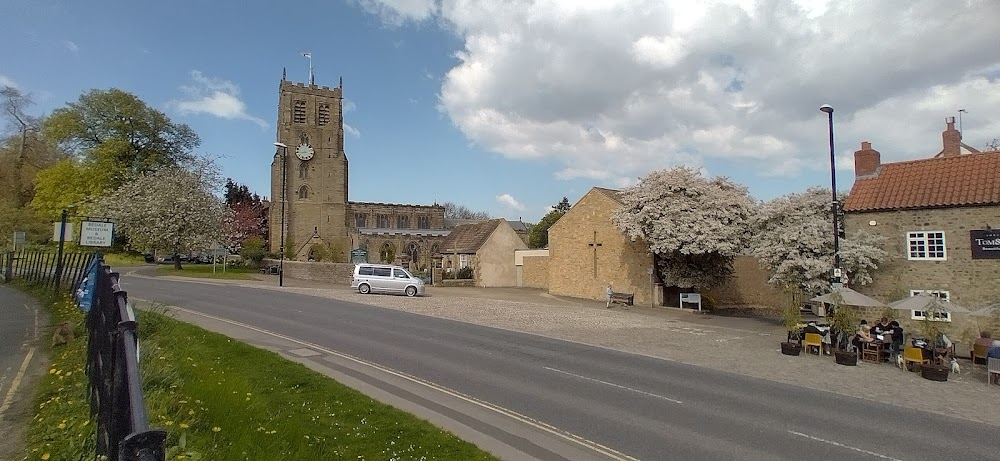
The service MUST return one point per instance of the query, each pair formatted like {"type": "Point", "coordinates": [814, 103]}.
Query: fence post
{"type": "Point", "coordinates": [8, 267]}
{"type": "Point", "coordinates": [62, 239]}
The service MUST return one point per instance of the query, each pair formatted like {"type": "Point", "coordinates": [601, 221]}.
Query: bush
{"type": "Point", "coordinates": [253, 251]}
{"type": "Point", "coordinates": [464, 273]}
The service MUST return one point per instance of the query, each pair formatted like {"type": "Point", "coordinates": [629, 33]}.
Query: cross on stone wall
{"type": "Point", "coordinates": [595, 244]}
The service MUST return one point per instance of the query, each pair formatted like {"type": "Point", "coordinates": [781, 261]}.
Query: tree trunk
{"type": "Point", "coordinates": [177, 261]}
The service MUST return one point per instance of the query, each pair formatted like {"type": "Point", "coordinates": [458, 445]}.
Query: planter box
{"type": "Point", "coordinates": [845, 358]}
{"type": "Point", "coordinates": [791, 348]}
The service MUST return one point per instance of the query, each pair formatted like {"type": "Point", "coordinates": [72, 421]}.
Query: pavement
{"type": "Point", "coordinates": [22, 362]}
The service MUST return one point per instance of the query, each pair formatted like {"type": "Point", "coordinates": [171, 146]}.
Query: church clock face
{"type": "Point", "coordinates": [304, 151]}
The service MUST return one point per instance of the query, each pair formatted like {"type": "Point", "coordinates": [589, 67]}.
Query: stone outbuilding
{"type": "Point", "coordinates": [487, 247]}
{"type": "Point", "coordinates": [940, 217]}
{"type": "Point", "coordinates": [587, 252]}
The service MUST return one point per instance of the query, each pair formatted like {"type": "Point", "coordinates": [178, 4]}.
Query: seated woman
{"type": "Point", "coordinates": [863, 335]}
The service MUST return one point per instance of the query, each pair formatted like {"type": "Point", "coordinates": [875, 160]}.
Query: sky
{"type": "Point", "coordinates": [508, 106]}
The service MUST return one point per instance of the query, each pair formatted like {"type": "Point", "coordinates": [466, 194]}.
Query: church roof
{"type": "Point", "coordinates": [469, 238]}
{"type": "Point", "coordinates": [964, 180]}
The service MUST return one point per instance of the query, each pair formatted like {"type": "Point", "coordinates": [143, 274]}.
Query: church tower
{"type": "Point", "coordinates": [311, 124]}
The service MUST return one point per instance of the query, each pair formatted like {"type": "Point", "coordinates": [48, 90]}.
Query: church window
{"type": "Point", "coordinates": [360, 220]}
{"type": "Point", "coordinates": [323, 114]}
{"type": "Point", "coordinates": [303, 170]}
{"type": "Point", "coordinates": [382, 221]}
{"type": "Point", "coordinates": [299, 111]}
{"type": "Point", "coordinates": [402, 222]}
{"type": "Point", "coordinates": [304, 192]}
{"type": "Point", "coordinates": [423, 222]}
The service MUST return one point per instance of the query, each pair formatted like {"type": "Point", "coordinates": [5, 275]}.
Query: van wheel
{"type": "Point", "coordinates": [364, 289]}
{"type": "Point", "coordinates": [411, 291]}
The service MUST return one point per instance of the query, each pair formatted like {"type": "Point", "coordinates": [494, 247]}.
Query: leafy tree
{"type": "Point", "coordinates": [793, 240]}
{"type": "Point", "coordinates": [116, 133]}
{"type": "Point", "coordinates": [253, 251]}
{"type": "Point", "coordinates": [539, 235]}
{"type": "Point", "coordinates": [455, 211]}
{"type": "Point", "coordinates": [563, 205]}
{"type": "Point", "coordinates": [171, 209]}
{"type": "Point", "coordinates": [694, 226]}
{"type": "Point", "coordinates": [237, 193]}
{"type": "Point", "coordinates": [64, 185]}
{"type": "Point", "coordinates": [243, 221]}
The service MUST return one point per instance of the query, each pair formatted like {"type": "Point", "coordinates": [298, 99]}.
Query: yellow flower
{"type": "Point", "coordinates": [52, 371]}
{"type": "Point", "coordinates": [169, 423]}
{"type": "Point", "coordinates": [190, 412]}
{"type": "Point", "coordinates": [216, 429]}
{"type": "Point", "coordinates": [62, 426]}
{"type": "Point", "coordinates": [45, 456]}
{"type": "Point", "coordinates": [184, 425]}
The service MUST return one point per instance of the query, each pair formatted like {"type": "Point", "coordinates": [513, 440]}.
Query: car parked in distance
{"type": "Point", "coordinates": [385, 278]}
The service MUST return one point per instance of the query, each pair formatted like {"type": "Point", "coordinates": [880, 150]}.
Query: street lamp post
{"type": "Point", "coordinates": [834, 206]}
{"type": "Point", "coordinates": [281, 246]}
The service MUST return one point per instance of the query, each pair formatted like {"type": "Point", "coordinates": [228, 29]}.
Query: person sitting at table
{"type": "Point", "coordinates": [863, 335]}
{"type": "Point", "coordinates": [985, 339]}
{"type": "Point", "coordinates": [881, 327]}
{"type": "Point", "coordinates": [811, 327]}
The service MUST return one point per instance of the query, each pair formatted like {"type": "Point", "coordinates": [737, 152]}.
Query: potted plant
{"type": "Point", "coordinates": [933, 329]}
{"type": "Point", "coordinates": [791, 317]}
{"type": "Point", "coordinates": [844, 320]}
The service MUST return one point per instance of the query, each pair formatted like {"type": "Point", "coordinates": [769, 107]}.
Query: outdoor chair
{"type": "Point", "coordinates": [813, 340]}
{"type": "Point", "coordinates": [992, 368]}
{"type": "Point", "coordinates": [979, 353]}
{"type": "Point", "coordinates": [913, 354]}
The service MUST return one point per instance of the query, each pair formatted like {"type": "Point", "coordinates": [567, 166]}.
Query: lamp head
{"type": "Point", "coordinates": [826, 108]}
{"type": "Point", "coordinates": [281, 144]}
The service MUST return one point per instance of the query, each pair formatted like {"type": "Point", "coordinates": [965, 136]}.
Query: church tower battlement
{"type": "Point", "coordinates": [311, 124]}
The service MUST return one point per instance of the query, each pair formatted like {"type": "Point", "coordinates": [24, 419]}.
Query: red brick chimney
{"type": "Point", "coordinates": [952, 139]}
{"type": "Point", "coordinates": [866, 160]}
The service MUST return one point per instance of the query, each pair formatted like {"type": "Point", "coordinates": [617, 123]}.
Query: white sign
{"type": "Point", "coordinates": [56, 226]}
{"type": "Point", "coordinates": [693, 298]}
{"type": "Point", "coordinates": [96, 234]}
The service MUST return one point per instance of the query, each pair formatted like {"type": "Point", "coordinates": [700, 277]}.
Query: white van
{"type": "Point", "coordinates": [385, 278]}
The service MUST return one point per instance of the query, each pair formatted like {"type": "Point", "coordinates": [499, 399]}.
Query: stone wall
{"type": "Point", "coordinates": [969, 282]}
{"type": "Point", "coordinates": [495, 259]}
{"type": "Point", "coordinates": [747, 287]}
{"type": "Point", "coordinates": [332, 273]}
{"type": "Point", "coordinates": [535, 272]}
{"type": "Point", "coordinates": [578, 267]}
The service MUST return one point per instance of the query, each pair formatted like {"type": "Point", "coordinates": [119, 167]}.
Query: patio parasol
{"type": "Point", "coordinates": [849, 297]}
{"type": "Point", "coordinates": [986, 311]}
{"type": "Point", "coordinates": [924, 302]}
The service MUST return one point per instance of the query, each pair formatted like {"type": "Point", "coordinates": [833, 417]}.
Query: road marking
{"type": "Point", "coordinates": [16, 382]}
{"type": "Point", "coordinates": [589, 444]}
{"type": "Point", "coordinates": [838, 444]}
{"type": "Point", "coordinates": [614, 385]}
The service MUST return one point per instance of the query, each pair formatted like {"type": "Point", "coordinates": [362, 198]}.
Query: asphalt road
{"type": "Point", "coordinates": [20, 362]}
{"type": "Point", "coordinates": [638, 406]}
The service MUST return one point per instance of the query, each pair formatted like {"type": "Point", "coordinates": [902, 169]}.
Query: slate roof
{"type": "Point", "coordinates": [964, 180]}
{"type": "Point", "coordinates": [469, 238]}
{"type": "Point", "coordinates": [614, 194]}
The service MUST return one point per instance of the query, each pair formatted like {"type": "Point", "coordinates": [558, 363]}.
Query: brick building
{"type": "Point", "coordinates": [939, 216]}
{"type": "Point", "coordinates": [317, 211]}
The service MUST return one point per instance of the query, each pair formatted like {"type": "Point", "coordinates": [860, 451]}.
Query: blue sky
{"type": "Point", "coordinates": [507, 107]}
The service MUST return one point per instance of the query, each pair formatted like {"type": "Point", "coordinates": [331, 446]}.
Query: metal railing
{"type": "Point", "coordinates": [40, 267]}
{"type": "Point", "coordinates": [116, 399]}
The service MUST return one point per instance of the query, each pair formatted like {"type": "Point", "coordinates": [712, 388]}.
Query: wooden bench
{"type": "Point", "coordinates": [625, 299]}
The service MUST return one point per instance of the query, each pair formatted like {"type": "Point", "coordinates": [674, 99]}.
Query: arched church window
{"type": "Point", "coordinates": [413, 251]}
{"type": "Point", "coordinates": [303, 170]}
{"type": "Point", "coordinates": [304, 192]}
{"type": "Point", "coordinates": [303, 138]}
{"type": "Point", "coordinates": [388, 253]}
{"type": "Point", "coordinates": [299, 111]}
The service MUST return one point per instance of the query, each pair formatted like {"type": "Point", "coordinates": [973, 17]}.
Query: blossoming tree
{"type": "Point", "coordinates": [793, 240]}
{"type": "Point", "coordinates": [172, 208]}
{"type": "Point", "coordinates": [694, 226]}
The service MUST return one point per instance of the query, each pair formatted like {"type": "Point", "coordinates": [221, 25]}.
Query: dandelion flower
{"type": "Point", "coordinates": [62, 426]}
{"type": "Point", "coordinates": [184, 425]}
{"type": "Point", "coordinates": [45, 456]}
{"type": "Point", "coordinates": [216, 429]}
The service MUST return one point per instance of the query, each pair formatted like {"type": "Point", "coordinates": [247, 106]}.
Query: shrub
{"type": "Point", "coordinates": [464, 273]}
{"type": "Point", "coordinates": [253, 251]}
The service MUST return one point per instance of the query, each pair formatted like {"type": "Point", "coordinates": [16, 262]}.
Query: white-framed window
{"type": "Point", "coordinates": [938, 316]}
{"type": "Point", "coordinates": [926, 245]}
{"type": "Point", "coordinates": [463, 261]}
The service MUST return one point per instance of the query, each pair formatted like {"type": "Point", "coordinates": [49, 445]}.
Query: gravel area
{"type": "Point", "coordinates": [752, 351]}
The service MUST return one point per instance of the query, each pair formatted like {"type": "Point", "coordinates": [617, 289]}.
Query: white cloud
{"type": "Point", "coordinates": [349, 105]}
{"type": "Point", "coordinates": [215, 97]}
{"type": "Point", "coordinates": [71, 46]}
{"type": "Point", "coordinates": [7, 81]}
{"type": "Point", "coordinates": [611, 89]}
{"type": "Point", "coordinates": [352, 131]}
{"type": "Point", "coordinates": [510, 202]}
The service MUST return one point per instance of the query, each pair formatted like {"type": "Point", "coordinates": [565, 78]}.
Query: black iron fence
{"type": "Point", "coordinates": [41, 267]}
{"type": "Point", "coordinates": [116, 399]}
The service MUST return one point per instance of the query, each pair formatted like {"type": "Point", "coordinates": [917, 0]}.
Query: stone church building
{"type": "Point", "coordinates": [318, 215]}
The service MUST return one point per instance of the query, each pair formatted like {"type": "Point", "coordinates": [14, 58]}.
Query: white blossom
{"type": "Point", "coordinates": [695, 226]}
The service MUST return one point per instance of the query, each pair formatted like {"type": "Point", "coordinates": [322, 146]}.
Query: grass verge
{"type": "Point", "coordinates": [205, 271]}
{"type": "Point", "coordinates": [220, 399]}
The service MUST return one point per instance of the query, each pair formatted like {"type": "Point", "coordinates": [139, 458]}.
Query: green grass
{"type": "Point", "coordinates": [205, 271]}
{"type": "Point", "coordinates": [220, 399]}
{"type": "Point", "coordinates": [123, 259]}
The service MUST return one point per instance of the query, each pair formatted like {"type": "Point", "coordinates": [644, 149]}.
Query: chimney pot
{"type": "Point", "coordinates": [866, 160]}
